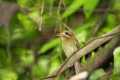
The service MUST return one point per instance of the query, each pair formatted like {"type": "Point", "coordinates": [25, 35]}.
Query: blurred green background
{"type": "Point", "coordinates": [29, 48]}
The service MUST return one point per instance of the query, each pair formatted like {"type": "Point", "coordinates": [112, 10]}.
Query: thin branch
{"type": "Point", "coordinates": [41, 17]}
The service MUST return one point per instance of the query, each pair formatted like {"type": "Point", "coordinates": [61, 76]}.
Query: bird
{"type": "Point", "coordinates": [70, 45]}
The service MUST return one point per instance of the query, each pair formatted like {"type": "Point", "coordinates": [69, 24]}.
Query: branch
{"type": "Point", "coordinates": [87, 49]}
{"type": "Point", "coordinates": [84, 51]}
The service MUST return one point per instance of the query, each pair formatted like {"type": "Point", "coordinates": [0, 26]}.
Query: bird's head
{"type": "Point", "coordinates": [66, 34]}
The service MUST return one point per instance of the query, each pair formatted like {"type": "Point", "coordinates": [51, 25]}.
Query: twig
{"type": "Point", "coordinates": [41, 17]}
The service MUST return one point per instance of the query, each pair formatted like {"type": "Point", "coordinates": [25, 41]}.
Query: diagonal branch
{"type": "Point", "coordinates": [84, 51]}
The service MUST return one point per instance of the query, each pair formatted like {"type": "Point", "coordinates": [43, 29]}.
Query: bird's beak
{"type": "Point", "coordinates": [59, 35]}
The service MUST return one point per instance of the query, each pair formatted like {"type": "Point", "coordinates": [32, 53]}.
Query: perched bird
{"type": "Point", "coordinates": [70, 45]}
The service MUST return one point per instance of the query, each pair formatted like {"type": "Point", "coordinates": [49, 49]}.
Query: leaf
{"type": "Point", "coordinates": [116, 4]}
{"type": "Point", "coordinates": [83, 32]}
{"type": "Point", "coordinates": [111, 22]}
{"type": "Point", "coordinates": [83, 60]}
{"type": "Point", "coordinates": [26, 3]}
{"type": "Point", "coordinates": [6, 74]}
{"type": "Point", "coordinates": [26, 22]}
{"type": "Point", "coordinates": [3, 35]}
{"type": "Point", "coordinates": [117, 60]}
{"type": "Point", "coordinates": [49, 2]}
{"type": "Point", "coordinates": [25, 56]}
{"type": "Point", "coordinates": [76, 4]}
{"type": "Point", "coordinates": [89, 6]}
{"type": "Point", "coordinates": [67, 2]}
{"type": "Point", "coordinates": [36, 18]}
{"type": "Point", "coordinates": [28, 26]}
{"type": "Point", "coordinates": [3, 58]}
{"type": "Point", "coordinates": [41, 69]}
{"type": "Point", "coordinates": [55, 63]}
{"type": "Point", "coordinates": [92, 56]}
{"type": "Point", "coordinates": [116, 70]}
{"type": "Point", "coordinates": [97, 74]}
{"type": "Point", "coordinates": [50, 20]}
{"type": "Point", "coordinates": [51, 44]}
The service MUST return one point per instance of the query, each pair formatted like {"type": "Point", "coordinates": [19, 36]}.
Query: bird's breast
{"type": "Point", "coordinates": [69, 48]}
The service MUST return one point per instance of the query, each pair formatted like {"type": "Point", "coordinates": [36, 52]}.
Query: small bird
{"type": "Point", "coordinates": [70, 45]}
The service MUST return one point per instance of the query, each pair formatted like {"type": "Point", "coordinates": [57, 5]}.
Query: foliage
{"type": "Point", "coordinates": [97, 74]}
{"type": "Point", "coordinates": [30, 42]}
{"type": "Point", "coordinates": [116, 72]}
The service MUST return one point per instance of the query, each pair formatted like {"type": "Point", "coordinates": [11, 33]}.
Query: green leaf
{"type": "Point", "coordinates": [35, 16]}
{"type": "Point", "coordinates": [97, 74]}
{"type": "Point", "coordinates": [117, 60]}
{"type": "Point", "coordinates": [116, 5]}
{"type": "Point", "coordinates": [111, 22]}
{"type": "Point", "coordinates": [3, 58]}
{"type": "Point", "coordinates": [26, 22]}
{"type": "Point", "coordinates": [76, 4]}
{"type": "Point", "coordinates": [17, 34]}
{"type": "Point", "coordinates": [89, 6]}
{"type": "Point", "coordinates": [49, 2]}
{"type": "Point", "coordinates": [3, 35]}
{"type": "Point", "coordinates": [92, 56]}
{"type": "Point", "coordinates": [25, 56]}
{"type": "Point", "coordinates": [26, 3]}
{"type": "Point", "coordinates": [50, 20]}
{"type": "Point", "coordinates": [83, 60]}
{"type": "Point", "coordinates": [67, 2]}
{"type": "Point", "coordinates": [116, 70]}
{"type": "Point", "coordinates": [83, 31]}
{"type": "Point", "coordinates": [51, 44]}
{"type": "Point", "coordinates": [28, 26]}
{"type": "Point", "coordinates": [41, 69]}
{"type": "Point", "coordinates": [6, 74]}
{"type": "Point", "coordinates": [55, 63]}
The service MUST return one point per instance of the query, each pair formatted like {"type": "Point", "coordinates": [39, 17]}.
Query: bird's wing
{"type": "Point", "coordinates": [77, 43]}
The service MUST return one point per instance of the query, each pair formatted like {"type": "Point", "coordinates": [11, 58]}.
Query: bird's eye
{"type": "Point", "coordinates": [66, 33]}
